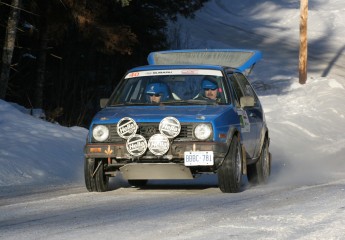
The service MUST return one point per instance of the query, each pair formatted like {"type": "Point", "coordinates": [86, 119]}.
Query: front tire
{"type": "Point", "coordinates": [102, 181]}
{"type": "Point", "coordinates": [230, 172]}
{"type": "Point", "coordinates": [99, 182]}
{"type": "Point", "coordinates": [89, 166]}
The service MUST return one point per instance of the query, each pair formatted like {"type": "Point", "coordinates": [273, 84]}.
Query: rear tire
{"type": "Point", "coordinates": [259, 172]}
{"type": "Point", "coordinates": [230, 172]}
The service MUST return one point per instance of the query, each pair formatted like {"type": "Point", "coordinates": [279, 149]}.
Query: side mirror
{"type": "Point", "coordinates": [247, 101]}
{"type": "Point", "coordinates": [103, 102]}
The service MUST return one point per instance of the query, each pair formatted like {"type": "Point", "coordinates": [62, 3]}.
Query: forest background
{"type": "Point", "coordinates": [67, 54]}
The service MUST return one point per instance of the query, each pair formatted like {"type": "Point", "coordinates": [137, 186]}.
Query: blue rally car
{"type": "Point", "coordinates": [188, 112]}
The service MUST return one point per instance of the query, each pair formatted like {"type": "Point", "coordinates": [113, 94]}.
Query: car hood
{"type": "Point", "coordinates": [205, 113]}
{"type": "Point", "coordinates": [241, 59]}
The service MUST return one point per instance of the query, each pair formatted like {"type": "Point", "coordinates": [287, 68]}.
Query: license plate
{"type": "Point", "coordinates": [200, 158]}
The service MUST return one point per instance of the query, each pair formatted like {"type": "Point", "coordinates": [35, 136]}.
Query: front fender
{"type": "Point", "coordinates": [231, 133]}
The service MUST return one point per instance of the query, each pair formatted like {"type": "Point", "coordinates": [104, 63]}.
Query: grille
{"type": "Point", "coordinates": [149, 129]}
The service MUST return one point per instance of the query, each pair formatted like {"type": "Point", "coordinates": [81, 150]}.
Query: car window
{"type": "Point", "coordinates": [242, 87]}
{"type": "Point", "coordinates": [245, 86]}
{"type": "Point", "coordinates": [132, 91]}
{"type": "Point", "coordinates": [237, 89]}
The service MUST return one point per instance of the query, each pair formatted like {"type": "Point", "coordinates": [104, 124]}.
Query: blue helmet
{"type": "Point", "coordinates": [208, 84]}
{"type": "Point", "coordinates": [158, 88]}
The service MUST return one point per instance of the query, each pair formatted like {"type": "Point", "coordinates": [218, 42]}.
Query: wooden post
{"type": "Point", "coordinates": [303, 51]}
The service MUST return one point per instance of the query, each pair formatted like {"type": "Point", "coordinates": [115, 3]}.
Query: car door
{"type": "Point", "coordinates": [252, 117]}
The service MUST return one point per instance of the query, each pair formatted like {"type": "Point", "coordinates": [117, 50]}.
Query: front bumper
{"type": "Point", "coordinates": [118, 154]}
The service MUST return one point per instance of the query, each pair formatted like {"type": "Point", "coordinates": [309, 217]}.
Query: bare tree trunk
{"type": "Point", "coordinates": [42, 56]}
{"type": "Point", "coordinates": [303, 51]}
{"type": "Point", "coordinates": [41, 69]}
{"type": "Point", "coordinates": [8, 49]}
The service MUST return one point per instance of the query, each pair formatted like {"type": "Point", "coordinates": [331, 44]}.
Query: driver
{"type": "Point", "coordinates": [209, 90]}
{"type": "Point", "coordinates": [157, 92]}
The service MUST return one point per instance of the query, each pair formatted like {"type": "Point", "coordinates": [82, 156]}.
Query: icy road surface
{"type": "Point", "coordinates": [195, 211]}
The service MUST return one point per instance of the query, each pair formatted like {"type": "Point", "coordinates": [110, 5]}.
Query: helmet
{"type": "Point", "coordinates": [208, 84]}
{"type": "Point", "coordinates": [158, 88]}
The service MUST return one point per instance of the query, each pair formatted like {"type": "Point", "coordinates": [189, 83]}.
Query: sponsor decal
{"type": "Point", "coordinates": [108, 151]}
{"type": "Point", "coordinates": [126, 127]}
{"type": "Point", "coordinates": [136, 145]}
{"type": "Point", "coordinates": [158, 144]}
{"type": "Point", "coordinates": [189, 71]}
{"type": "Point", "coordinates": [134, 74]}
{"type": "Point", "coordinates": [175, 72]}
{"type": "Point", "coordinates": [245, 124]}
{"type": "Point", "coordinates": [170, 127]}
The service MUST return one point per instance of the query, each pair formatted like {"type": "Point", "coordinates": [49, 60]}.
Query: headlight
{"type": "Point", "coordinates": [203, 131]}
{"type": "Point", "coordinates": [100, 133]}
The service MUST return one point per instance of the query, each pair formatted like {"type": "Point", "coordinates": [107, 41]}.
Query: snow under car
{"type": "Point", "coordinates": [188, 112]}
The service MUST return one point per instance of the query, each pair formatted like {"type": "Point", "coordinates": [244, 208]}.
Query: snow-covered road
{"type": "Point", "coordinates": [197, 211]}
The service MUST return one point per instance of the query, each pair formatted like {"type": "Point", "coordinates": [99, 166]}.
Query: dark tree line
{"type": "Point", "coordinates": [67, 54]}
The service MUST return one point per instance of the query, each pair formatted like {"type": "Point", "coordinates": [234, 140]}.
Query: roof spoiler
{"type": "Point", "coordinates": [241, 59]}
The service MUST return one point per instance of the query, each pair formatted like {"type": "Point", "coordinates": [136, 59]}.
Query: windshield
{"type": "Point", "coordinates": [171, 87]}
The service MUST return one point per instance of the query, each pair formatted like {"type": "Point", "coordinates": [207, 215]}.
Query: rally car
{"type": "Point", "coordinates": [186, 113]}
